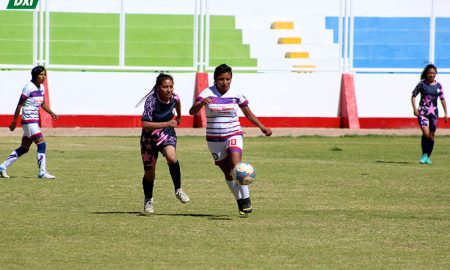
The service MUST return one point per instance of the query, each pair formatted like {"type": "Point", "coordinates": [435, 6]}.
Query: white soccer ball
{"type": "Point", "coordinates": [243, 173]}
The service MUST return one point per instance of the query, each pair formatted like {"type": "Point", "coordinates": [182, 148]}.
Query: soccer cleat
{"type": "Point", "coordinates": [247, 205]}
{"type": "Point", "coordinates": [240, 203]}
{"type": "Point", "coordinates": [148, 205]}
{"type": "Point", "coordinates": [3, 173]}
{"type": "Point", "coordinates": [46, 175]}
{"type": "Point", "coordinates": [181, 196]}
{"type": "Point", "coordinates": [428, 161]}
{"type": "Point", "coordinates": [423, 159]}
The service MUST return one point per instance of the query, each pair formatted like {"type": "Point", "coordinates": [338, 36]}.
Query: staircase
{"type": "Point", "coordinates": [296, 44]}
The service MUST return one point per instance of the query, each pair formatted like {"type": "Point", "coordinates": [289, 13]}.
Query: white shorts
{"type": "Point", "coordinates": [219, 150]}
{"type": "Point", "coordinates": [32, 131]}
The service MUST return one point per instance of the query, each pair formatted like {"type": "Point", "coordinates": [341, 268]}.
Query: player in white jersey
{"type": "Point", "coordinates": [223, 130]}
{"type": "Point", "coordinates": [30, 101]}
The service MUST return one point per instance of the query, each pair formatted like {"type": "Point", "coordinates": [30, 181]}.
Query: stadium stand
{"type": "Point", "coordinates": [382, 42]}
{"type": "Point", "coordinates": [226, 44]}
{"type": "Point", "coordinates": [84, 38]}
{"type": "Point", "coordinates": [289, 43]}
{"type": "Point", "coordinates": [265, 42]}
{"type": "Point", "coordinates": [16, 37]}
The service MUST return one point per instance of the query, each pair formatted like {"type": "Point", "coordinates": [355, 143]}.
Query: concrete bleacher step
{"type": "Point", "coordinates": [280, 25]}
{"type": "Point", "coordinates": [292, 64]}
{"type": "Point", "coordinates": [324, 36]}
{"type": "Point", "coordinates": [289, 43]}
{"type": "Point", "coordinates": [264, 21]}
{"type": "Point", "coordinates": [297, 54]}
{"type": "Point", "coordinates": [277, 50]}
{"type": "Point", "coordinates": [289, 40]}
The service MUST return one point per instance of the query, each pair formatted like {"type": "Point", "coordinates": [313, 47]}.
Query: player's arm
{"type": "Point", "coordinates": [252, 117]}
{"type": "Point", "coordinates": [22, 101]}
{"type": "Point", "coordinates": [178, 111]}
{"type": "Point", "coordinates": [198, 105]}
{"type": "Point", "coordinates": [48, 110]}
{"type": "Point", "coordinates": [413, 103]}
{"type": "Point", "coordinates": [147, 125]}
{"type": "Point", "coordinates": [444, 106]}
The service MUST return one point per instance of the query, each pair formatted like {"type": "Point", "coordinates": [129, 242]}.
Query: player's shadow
{"type": "Point", "coordinates": [208, 216]}
{"type": "Point", "coordinates": [393, 162]}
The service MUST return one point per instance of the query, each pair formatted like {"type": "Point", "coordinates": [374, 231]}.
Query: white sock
{"type": "Point", "coordinates": [245, 191]}
{"type": "Point", "coordinates": [234, 189]}
{"type": "Point", "coordinates": [11, 159]}
{"type": "Point", "coordinates": [41, 163]}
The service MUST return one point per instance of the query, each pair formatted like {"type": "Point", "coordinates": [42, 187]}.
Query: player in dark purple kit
{"type": "Point", "coordinates": [158, 135]}
{"type": "Point", "coordinates": [427, 113]}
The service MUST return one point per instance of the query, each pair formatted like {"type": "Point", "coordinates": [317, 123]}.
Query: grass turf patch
{"type": "Point", "coordinates": [369, 205]}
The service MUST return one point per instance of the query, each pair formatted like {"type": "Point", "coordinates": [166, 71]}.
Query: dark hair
{"type": "Point", "coordinates": [36, 71]}
{"type": "Point", "coordinates": [161, 77]}
{"type": "Point", "coordinates": [224, 68]}
{"type": "Point", "coordinates": [423, 76]}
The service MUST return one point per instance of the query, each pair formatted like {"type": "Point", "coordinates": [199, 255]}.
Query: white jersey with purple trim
{"type": "Point", "coordinates": [34, 98]}
{"type": "Point", "coordinates": [222, 114]}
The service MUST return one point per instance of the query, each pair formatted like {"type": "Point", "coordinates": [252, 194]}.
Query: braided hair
{"type": "Point", "coordinates": [161, 77]}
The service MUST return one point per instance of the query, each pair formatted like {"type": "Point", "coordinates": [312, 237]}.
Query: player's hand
{"type": "Point", "coordinates": [266, 131]}
{"type": "Point", "coordinates": [445, 119]}
{"type": "Point", "coordinates": [55, 117]}
{"type": "Point", "coordinates": [12, 126]}
{"type": "Point", "coordinates": [172, 123]}
{"type": "Point", "coordinates": [207, 101]}
{"type": "Point", "coordinates": [416, 113]}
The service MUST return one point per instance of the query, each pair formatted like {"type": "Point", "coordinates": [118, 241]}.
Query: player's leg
{"type": "Point", "coordinates": [169, 151]}
{"type": "Point", "coordinates": [23, 149]}
{"type": "Point", "coordinates": [147, 185]}
{"type": "Point", "coordinates": [34, 132]}
{"type": "Point", "coordinates": [149, 155]}
{"type": "Point", "coordinates": [433, 126]}
{"type": "Point", "coordinates": [425, 127]}
{"type": "Point", "coordinates": [235, 147]}
{"type": "Point", "coordinates": [219, 153]}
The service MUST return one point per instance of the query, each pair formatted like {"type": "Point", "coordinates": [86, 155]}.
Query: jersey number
{"type": "Point", "coordinates": [232, 142]}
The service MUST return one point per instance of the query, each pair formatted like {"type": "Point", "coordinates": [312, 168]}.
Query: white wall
{"type": "Point", "coordinates": [109, 93]}
{"type": "Point", "coordinates": [270, 94]}
{"type": "Point", "coordinates": [389, 95]}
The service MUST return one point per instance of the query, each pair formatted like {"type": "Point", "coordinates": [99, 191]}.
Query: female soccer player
{"type": "Point", "coordinates": [427, 113]}
{"type": "Point", "coordinates": [31, 99]}
{"type": "Point", "coordinates": [158, 135]}
{"type": "Point", "coordinates": [223, 131]}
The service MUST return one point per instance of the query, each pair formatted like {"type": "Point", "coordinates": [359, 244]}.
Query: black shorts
{"type": "Point", "coordinates": [153, 142]}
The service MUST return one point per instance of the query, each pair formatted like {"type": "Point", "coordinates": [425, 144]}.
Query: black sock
{"type": "Point", "coordinates": [175, 172]}
{"type": "Point", "coordinates": [148, 188]}
{"type": "Point", "coordinates": [430, 147]}
{"type": "Point", "coordinates": [423, 143]}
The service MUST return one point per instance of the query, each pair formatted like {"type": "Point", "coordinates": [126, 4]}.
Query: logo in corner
{"type": "Point", "coordinates": [22, 4]}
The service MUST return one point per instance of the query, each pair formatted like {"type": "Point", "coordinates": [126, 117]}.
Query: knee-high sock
{"type": "Point", "coordinates": [14, 156]}
{"type": "Point", "coordinates": [423, 143]}
{"type": "Point", "coordinates": [147, 186]}
{"type": "Point", "coordinates": [175, 173]}
{"type": "Point", "coordinates": [234, 188]}
{"type": "Point", "coordinates": [41, 147]}
{"type": "Point", "coordinates": [245, 191]}
{"type": "Point", "coordinates": [430, 147]}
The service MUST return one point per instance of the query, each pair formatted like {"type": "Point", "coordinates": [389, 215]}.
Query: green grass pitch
{"type": "Point", "coordinates": [360, 202]}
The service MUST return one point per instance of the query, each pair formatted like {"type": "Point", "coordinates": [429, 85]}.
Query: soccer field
{"type": "Point", "coordinates": [353, 202]}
